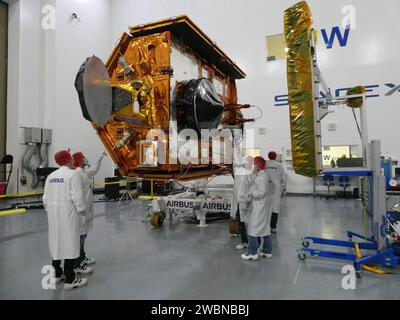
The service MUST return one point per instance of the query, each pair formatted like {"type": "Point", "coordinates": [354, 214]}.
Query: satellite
{"type": "Point", "coordinates": [162, 78]}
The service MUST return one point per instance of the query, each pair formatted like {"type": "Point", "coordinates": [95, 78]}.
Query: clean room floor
{"type": "Point", "coordinates": [182, 261]}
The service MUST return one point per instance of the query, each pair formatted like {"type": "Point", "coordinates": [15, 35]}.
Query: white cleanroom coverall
{"type": "Point", "coordinates": [260, 195]}
{"type": "Point", "coordinates": [64, 202]}
{"type": "Point", "coordinates": [278, 174]}
{"type": "Point", "coordinates": [86, 175]}
{"type": "Point", "coordinates": [242, 180]}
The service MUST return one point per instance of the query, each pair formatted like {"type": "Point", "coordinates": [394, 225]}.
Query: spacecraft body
{"type": "Point", "coordinates": [162, 77]}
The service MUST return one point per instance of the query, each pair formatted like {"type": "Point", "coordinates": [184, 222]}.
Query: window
{"type": "Point", "coordinates": [275, 47]}
{"type": "Point", "coordinates": [332, 156]}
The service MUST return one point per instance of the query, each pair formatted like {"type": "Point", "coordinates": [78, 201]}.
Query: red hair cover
{"type": "Point", "coordinates": [62, 157]}
{"type": "Point", "coordinates": [272, 155]}
{"type": "Point", "coordinates": [78, 159]}
{"type": "Point", "coordinates": [260, 163]}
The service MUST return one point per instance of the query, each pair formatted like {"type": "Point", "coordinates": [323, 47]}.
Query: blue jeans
{"type": "Point", "coordinates": [253, 244]}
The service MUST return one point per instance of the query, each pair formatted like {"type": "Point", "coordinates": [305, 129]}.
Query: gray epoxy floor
{"type": "Point", "coordinates": [182, 261]}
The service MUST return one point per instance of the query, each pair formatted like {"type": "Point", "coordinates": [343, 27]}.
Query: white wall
{"type": "Point", "coordinates": [42, 69]}
{"type": "Point", "coordinates": [73, 43]}
{"type": "Point", "coordinates": [239, 28]}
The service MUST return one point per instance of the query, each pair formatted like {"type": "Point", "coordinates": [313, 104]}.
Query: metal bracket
{"type": "Point", "coordinates": [167, 70]}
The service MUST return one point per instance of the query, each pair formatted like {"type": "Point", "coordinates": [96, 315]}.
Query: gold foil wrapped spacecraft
{"type": "Point", "coordinates": [148, 93]}
{"type": "Point", "coordinates": [297, 26]}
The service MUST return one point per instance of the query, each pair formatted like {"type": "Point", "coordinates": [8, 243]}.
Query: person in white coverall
{"type": "Point", "coordinates": [279, 176]}
{"type": "Point", "coordinates": [240, 209]}
{"type": "Point", "coordinates": [80, 162]}
{"type": "Point", "coordinates": [260, 195]}
{"type": "Point", "coordinates": [64, 202]}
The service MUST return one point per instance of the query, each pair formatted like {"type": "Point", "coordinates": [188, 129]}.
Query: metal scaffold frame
{"type": "Point", "coordinates": [377, 248]}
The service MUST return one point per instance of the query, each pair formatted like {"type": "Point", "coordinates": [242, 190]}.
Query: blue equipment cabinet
{"type": "Point", "coordinates": [387, 171]}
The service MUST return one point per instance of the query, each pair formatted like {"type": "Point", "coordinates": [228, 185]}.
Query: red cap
{"type": "Point", "coordinates": [78, 159]}
{"type": "Point", "coordinates": [272, 155]}
{"type": "Point", "coordinates": [63, 157]}
{"type": "Point", "coordinates": [260, 163]}
{"type": "Point", "coordinates": [249, 159]}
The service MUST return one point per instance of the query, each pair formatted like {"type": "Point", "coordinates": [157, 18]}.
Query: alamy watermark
{"type": "Point", "coordinates": [48, 17]}
{"type": "Point", "coordinates": [213, 146]}
{"type": "Point", "coordinates": [349, 280]}
{"type": "Point", "coordinates": [49, 280]}
{"type": "Point", "coordinates": [349, 18]}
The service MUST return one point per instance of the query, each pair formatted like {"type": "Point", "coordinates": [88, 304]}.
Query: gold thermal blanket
{"type": "Point", "coordinates": [297, 26]}
{"type": "Point", "coordinates": [355, 102]}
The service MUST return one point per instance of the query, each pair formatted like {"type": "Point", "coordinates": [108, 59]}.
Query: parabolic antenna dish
{"type": "Point", "coordinates": [95, 93]}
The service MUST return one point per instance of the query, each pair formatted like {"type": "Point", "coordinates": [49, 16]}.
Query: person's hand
{"type": "Point", "coordinates": [83, 219]}
{"type": "Point", "coordinates": [104, 154]}
{"type": "Point", "coordinates": [81, 213]}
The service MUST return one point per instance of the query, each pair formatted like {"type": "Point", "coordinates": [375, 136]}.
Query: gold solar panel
{"type": "Point", "coordinates": [297, 27]}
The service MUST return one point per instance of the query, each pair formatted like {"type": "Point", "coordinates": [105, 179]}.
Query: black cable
{"type": "Point", "coordinates": [358, 127]}
{"type": "Point", "coordinates": [261, 113]}
{"type": "Point", "coordinates": [182, 176]}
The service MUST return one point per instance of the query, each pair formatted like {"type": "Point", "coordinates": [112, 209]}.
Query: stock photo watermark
{"type": "Point", "coordinates": [349, 19]}
{"type": "Point", "coordinates": [190, 147]}
{"type": "Point", "coordinates": [48, 17]}
{"type": "Point", "coordinates": [49, 280]}
{"type": "Point", "coordinates": [349, 280]}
